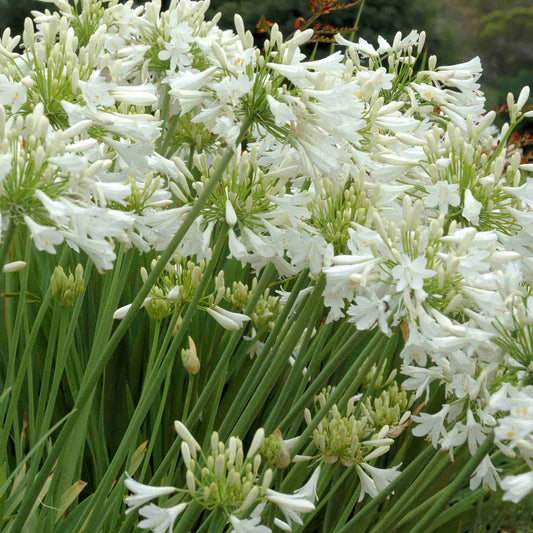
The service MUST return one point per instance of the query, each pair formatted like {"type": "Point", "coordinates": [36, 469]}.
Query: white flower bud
{"type": "Point", "coordinates": [191, 483]}
{"type": "Point", "coordinates": [186, 454]}
{"type": "Point", "coordinates": [185, 434]}
{"type": "Point", "coordinates": [522, 97]}
{"type": "Point", "coordinates": [15, 266]}
{"type": "Point", "coordinates": [231, 216]}
{"type": "Point", "coordinates": [121, 312]}
{"type": "Point", "coordinates": [257, 442]}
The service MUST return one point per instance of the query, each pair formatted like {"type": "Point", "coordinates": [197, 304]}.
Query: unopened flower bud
{"type": "Point", "coordinates": [66, 289]}
{"type": "Point", "coordinates": [15, 266]}
{"type": "Point", "coordinates": [189, 358]}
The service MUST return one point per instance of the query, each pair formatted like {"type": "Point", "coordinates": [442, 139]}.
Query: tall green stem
{"type": "Point", "coordinates": [6, 243]}
{"type": "Point", "coordinates": [456, 484]}
{"type": "Point", "coordinates": [93, 373]}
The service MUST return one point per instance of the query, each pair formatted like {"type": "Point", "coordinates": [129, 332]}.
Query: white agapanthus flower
{"type": "Point", "coordinates": [142, 493]}
{"type": "Point", "coordinates": [517, 487]}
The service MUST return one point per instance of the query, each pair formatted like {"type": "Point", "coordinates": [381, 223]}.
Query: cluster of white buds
{"type": "Point", "coordinates": [222, 478]}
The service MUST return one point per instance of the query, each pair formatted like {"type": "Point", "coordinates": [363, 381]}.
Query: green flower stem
{"type": "Point", "coordinates": [280, 361]}
{"type": "Point", "coordinates": [174, 449]}
{"type": "Point", "coordinates": [459, 507]}
{"type": "Point", "coordinates": [21, 370]}
{"type": "Point", "coordinates": [60, 360]}
{"type": "Point", "coordinates": [370, 389]}
{"type": "Point", "coordinates": [5, 485]}
{"type": "Point", "coordinates": [455, 485]}
{"type": "Point", "coordinates": [387, 354]}
{"type": "Point", "coordinates": [94, 372]}
{"type": "Point", "coordinates": [213, 411]}
{"type": "Point", "coordinates": [409, 473]}
{"type": "Point", "coordinates": [157, 423]}
{"type": "Point", "coordinates": [321, 352]}
{"type": "Point", "coordinates": [90, 422]}
{"type": "Point", "coordinates": [354, 383]}
{"type": "Point", "coordinates": [413, 493]}
{"type": "Point", "coordinates": [219, 371]}
{"type": "Point", "coordinates": [295, 375]}
{"type": "Point", "coordinates": [347, 510]}
{"type": "Point", "coordinates": [22, 309]}
{"type": "Point", "coordinates": [344, 351]}
{"type": "Point", "coordinates": [149, 393]}
{"type": "Point", "coordinates": [47, 367]}
{"type": "Point", "coordinates": [6, 244]}
{"type": "Point", "coordinates": [154, 348]}
{"type": "Point", "coordinates": [261, 361]}
{"type": "Point", "coordinates": [419, 510]}
{"type": "Point", "coordinates": [168, 336]}
{"type": "Point", "coordinates": [356, 372]}
{"type": "Point", "coordinates": [264, 362]}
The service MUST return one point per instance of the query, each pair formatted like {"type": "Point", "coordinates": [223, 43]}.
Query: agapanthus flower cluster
{"type": "Point", "coordinates": [372, 174]}
{"type": "Point", "coordinates": [223, 478]}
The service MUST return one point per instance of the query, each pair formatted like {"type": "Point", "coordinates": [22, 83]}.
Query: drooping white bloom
{"type": "Point", "coordinates": [227, 319]}
{"type": "Point", "coordinates": [368, 485]}
{"type": "Point", "coordinates": [486, 474]}
{"type": "Point", "coordinates": [517, 487]}
{"type": "Point", "coordinates": [251, 524]}
{"type": "Point", "coordinates": [282, 112]}
{"type": "Point", "coordinates": [44, 237]}
{"type": "Point", "coordinates": [476, 434]}
{"type": "Point", "coordinates": [382, 477]}
{"type": "Point", "coordinates": [292, 505]}
{"type": "Point", "coordinates": [142, 493]}
{"type": "Point", "coordinates": [431, 425]}
{"type": "Point", "coordinates": [308, 491]}
{"type": "Point", "coordinates": [160, 519]}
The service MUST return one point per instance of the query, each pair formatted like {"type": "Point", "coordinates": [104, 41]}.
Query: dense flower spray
{"type": "Point", "coordinates": [352, 229]}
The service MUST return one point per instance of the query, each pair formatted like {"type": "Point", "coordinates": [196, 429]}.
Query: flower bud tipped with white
{"type": "Point", "coordinates": [186, 454]}
{"type": "Point", "coordinates": [185, 434]}
{"type": "Point", "coordinates": [231, 216]}
{"type": "Point", "coordinates": [227, 319]}
{"type": "Point", "coordinates": [257, 442]}
{"type": "Point", "coordinates": [121, 312]}
{"type": "Point", "coordinates": [249, 500]}
{"type": "Point", "coordinates": [523, 97]}
{"type": "Point", "coordinates": [15, 266]}
{"type": "Point", "coordinates": [378, 452]}
{"type": "Point", "coordinates": [191, 483]}
{"type": "Point", "coordinates": [239, 26]}
{"type": "Point", "coordinates": [190, 360]}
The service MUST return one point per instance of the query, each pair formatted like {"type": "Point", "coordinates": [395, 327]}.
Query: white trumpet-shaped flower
{"type": "Point", "coordinates": [142, 493]}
